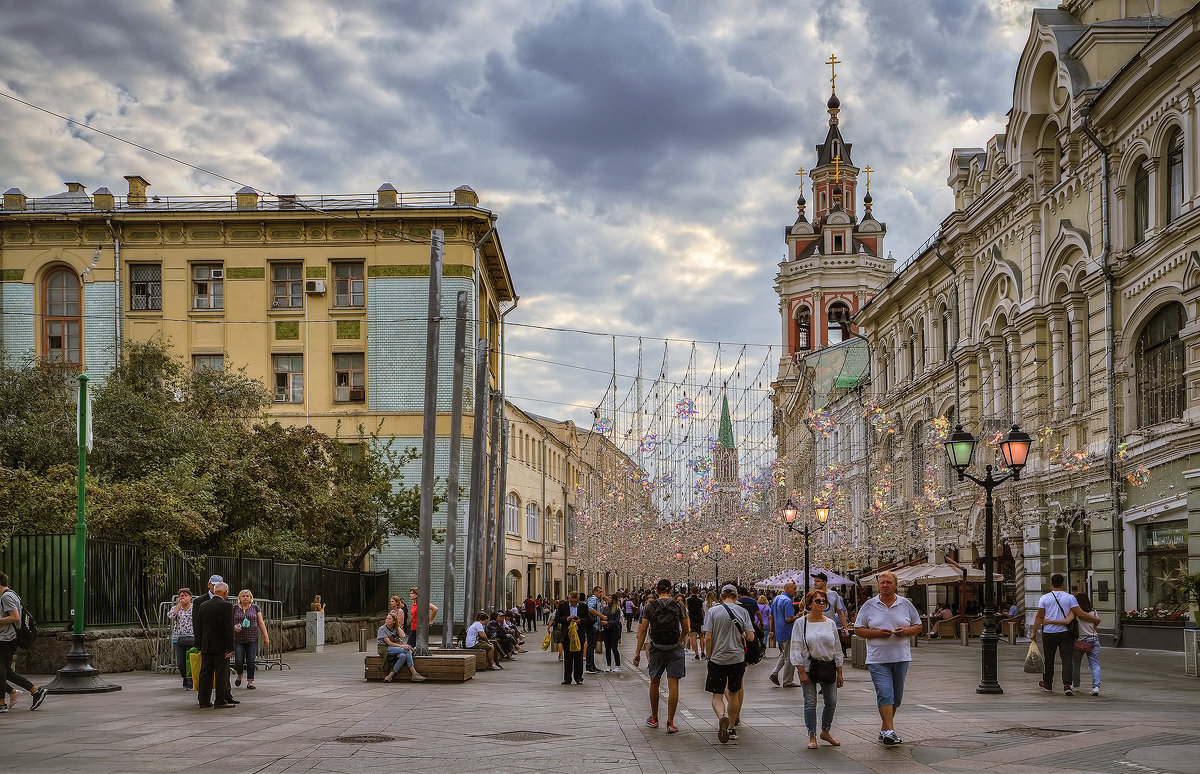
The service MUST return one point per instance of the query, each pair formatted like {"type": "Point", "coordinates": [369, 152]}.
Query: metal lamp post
{"type": "Point", "coordinates": [960, 447]}
{"type": "Point", "coordinates": [789, 516]}
{"type": "Point", "coordinates": [716, 560]}
{"type": "Point", "coordinates": [690, 561]}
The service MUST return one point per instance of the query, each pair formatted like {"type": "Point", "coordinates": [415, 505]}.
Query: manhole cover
{"type": "Point", "coordinates": [1036, 733]}
{"type": "Point", "coordinates": [518, 736]}
{"type": "Point", "coordinates": [365, 738]}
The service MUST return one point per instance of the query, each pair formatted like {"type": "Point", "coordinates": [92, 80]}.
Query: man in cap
{"type": "Point", "coordinates": [727, 627]}
{"type": "Point", "coordinates": [836, 608]}
{"type": "Point", "coordinates": [198, 602]}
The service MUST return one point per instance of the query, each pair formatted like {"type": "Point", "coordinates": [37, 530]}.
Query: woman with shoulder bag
{"type": "Point", "coordinates": [1087, 643]}
{"type": "Point", "coordinates": [817, 655]}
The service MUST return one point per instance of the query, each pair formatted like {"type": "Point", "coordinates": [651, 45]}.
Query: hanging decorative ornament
{"type": "Point", "coordinates": [648, 443]}
{"type": "Point", "coordinates": [939, 432]}
{"type": "Point", "coordinates": [822, 423]}
{"type": "Point", "coordinates": [603, 426]}
{"type": "Point", "coordinates": [1138, 476]}
{"type": "Point", "coordinates": [685, 408]}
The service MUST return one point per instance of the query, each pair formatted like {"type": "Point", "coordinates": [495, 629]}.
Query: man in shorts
{"type": "Point", "coordinates": [886, 621]}
{"type": "Point", "coordinates": [727, 627]}
{"type": "Point", "coordinates": [667, 655]}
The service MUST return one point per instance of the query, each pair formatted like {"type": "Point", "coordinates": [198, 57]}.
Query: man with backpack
{"type": "Point", "coordinates": [10, 624]}
{"type": "Point", "coordinates": [667, 622]}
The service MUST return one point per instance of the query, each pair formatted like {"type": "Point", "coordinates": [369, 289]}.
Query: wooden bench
{"type": "Point", "coordinates": [453, 668]}
{"type": "Point", "coordinates": [481, 662]}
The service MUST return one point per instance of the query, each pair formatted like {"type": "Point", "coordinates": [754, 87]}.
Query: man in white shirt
{"type": "Point", "coordinates": [477, 639]}
{"type": "Point", "coordinates": [1055, 612]}
{"type": "Point", "coordinates": [886, 621]}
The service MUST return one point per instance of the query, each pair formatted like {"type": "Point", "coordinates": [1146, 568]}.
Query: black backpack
{"type": "Point", "coordinates": [665, 622]}
{"type": "Point", "coordinates": [26, 630]}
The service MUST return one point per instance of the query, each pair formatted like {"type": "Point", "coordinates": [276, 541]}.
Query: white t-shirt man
{"type": "Point", "coordinates": [1057, 605]}
{"type": "Point", "coordinates": [874, 614]}
{"type": "Point", "coordinates": [473, 632]}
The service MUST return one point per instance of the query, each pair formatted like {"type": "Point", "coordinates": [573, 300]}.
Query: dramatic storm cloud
{"type": "Point", "coordinates": [640, 154]}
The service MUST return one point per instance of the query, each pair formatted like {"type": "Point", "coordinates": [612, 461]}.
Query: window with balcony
{"type": "Point", "coordinates": [289, 378]}
{"type": "Point", "coordinates": [145, 286]}
{"type": "Point", "coordinates": [63, 319]}
{"type": "Point", "coordinates": [1158, 361]}
{"type": "Point", "coordinates": [349, 381]}
{"type": "Point", "coordinates": [287, 286]}
{"type": "Point", "coordinates": [349, 287]}
{"type": "Point", "coordinates": [208, 286]}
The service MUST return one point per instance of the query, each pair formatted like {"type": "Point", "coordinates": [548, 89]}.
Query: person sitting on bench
{"type": "Point", "coordinates": [394, 645]}
{"type": "Point", "coordinates": [477, 639]}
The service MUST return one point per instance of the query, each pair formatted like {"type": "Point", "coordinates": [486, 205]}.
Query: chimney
{"type": "Point", "coordinates": [247, 198]}
{"type": "Point", "coordinates": [76, 188]}
{"type": "Point", "coordinates": [465, 195]}
{"type": "Point", "coordinates": [387, 196]}
{"type": "Point", "coordinates": [137, 190]}
{"type": "Point", "coordinates": [103, 199]}
{"type": "Point", "coordinates": [14, 199]}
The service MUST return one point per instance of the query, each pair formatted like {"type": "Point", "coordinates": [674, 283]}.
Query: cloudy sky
{"type": "Point", "coordinates": [640, 153]}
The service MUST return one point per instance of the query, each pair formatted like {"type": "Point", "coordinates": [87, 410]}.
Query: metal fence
{"type": "Point", "coordinates": [121, 594]}
{"type": "Point", "coordinates": [269, 655]}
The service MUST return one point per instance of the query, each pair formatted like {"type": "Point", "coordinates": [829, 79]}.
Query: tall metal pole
{"type": "Point", "coordinates": [79, 676]}
{"type": "Point", "coordinates": [494, 520]}
{"type": "Point", "coordinates": [806, 579]}
{"type": "Point", "coordinates": [475, 536]}
{"type": "Point", "coordinates": [456, 412]}
{"type": "Point", "coordinates": [429, 440]}
{"type": "Point", "coordinates": [990, 637]}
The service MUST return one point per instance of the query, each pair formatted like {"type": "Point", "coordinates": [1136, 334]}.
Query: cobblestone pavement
{"type": "Point", "coordinates": [320, 716]}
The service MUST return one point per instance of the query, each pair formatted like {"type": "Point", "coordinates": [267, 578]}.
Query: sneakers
{"type": "Point", "coordinates": [592, 671]}
{"type": "Point", "coordinates": [889, 737]}
{"type": "Point", "coordinates": [418, 678]}
{"type": "Point", "coordinates": [1067, 690]}
{"type": "Point", "coordinates": [38, 698]}
{"type": "Point", "coordinates": [697, 657]}
{"type": "Point", "coordinates": [495, 667]}
{"type": "Point", "coordinates": [238, 681]}
{"type": "Point", "coordinates": [566, 682]}
{"type": "Point", "coordinates": [671, 729]}
{"type": "Point", "coordinates": [774, 678]}
{"type": "Point", "coordinates": [652, 721]}
{"type": "Point", "coordinates": [723, 730]}
{"type": "Point", "coordinates": [1095, 690]}
{"type": "Point", "coordinates": [3, 708]}
{"type": "Point", "coordinates": [1044, 687]}
{"type": "Point", "coordinates": [733, 734]}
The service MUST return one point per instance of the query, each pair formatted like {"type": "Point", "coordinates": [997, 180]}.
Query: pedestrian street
{"type": "Point", "coordinates": [320, 716]}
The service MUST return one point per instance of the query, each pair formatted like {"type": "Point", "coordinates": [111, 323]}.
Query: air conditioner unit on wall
{"type": "Point", "coordinates": [218, 274]}
{"type": "Point", "coordinates": [314, 287]}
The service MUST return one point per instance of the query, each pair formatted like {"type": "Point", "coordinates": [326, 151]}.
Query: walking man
{"type": "Point", "coordinates": [783, 613]}
{"type": "Point", "coordinates": [695, 611]}
{"type": "Point", "coordinates": [1053, 617]}
{"type": "Point", "coordinates": [216, 646]}
{"type": "Point", "coordinates": [591, 625]}
{"type": "Point", "coordinates": [667, 623]}
{"type": "Point", "coordinates": [886, 621]}
{"type": "Point", "coordinates": [530, 614]}
{"type": "Point", "coordinates": [10, 619]}
{"type": "Point", "coordinates": [727, 627]}
{"type": "Point", "coordinates": [836, 609]}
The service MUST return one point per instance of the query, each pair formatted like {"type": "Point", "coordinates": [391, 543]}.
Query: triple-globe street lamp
{"type": "Point", "coordinates": [715, 557]}
{"type": "Point", "coordinates": [960, 447]}
{"type": "Point", "coordinates": [789, 516]}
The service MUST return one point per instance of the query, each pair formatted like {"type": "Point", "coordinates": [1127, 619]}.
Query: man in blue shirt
{"type": "Point", "coordinates": [590, 625]}
{"type": "Point", "coordinates": [783, 613]}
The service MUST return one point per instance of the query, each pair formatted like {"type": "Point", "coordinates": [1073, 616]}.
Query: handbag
{"type": "Point", "coordinates": [1073, 627]}
{"type": "Point", "coordinates": [1083, 646]}
{"type": "Point", "coordinates": [754, 650]}
{"type": "Point", "coordinates": [819, 670]}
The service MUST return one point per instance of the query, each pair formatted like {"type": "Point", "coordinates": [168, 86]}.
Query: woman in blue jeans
{"type": "Point", "coordinates": [816, 637]}
{"type": "Point", "coordinates": [393, 644]}
{"type": "Point", "coordinates": [248, 624]}
{"type": "Point", "coordinates": [1087, 633]}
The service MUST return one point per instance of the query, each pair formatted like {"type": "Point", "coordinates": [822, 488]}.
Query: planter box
{"type": "Point", "coordinates": [1153, 635]}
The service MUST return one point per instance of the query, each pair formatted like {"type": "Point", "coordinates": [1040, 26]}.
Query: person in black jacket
{"type": "Point", "coordinates": [215, 638]}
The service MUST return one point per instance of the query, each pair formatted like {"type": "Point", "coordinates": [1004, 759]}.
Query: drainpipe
{"type": "Point", "coordinates": [118, 306]}
{"type": "Point", "coordinates": [1110, 367]}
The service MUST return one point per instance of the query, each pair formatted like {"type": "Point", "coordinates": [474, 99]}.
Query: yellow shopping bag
{"type": "Point", "coordinates": [194, 665]}
{"type": "Point", "coordinates": [546, 642]}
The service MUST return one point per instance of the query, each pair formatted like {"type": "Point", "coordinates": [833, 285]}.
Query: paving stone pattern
{"type": "Point", "coordinates": [322, 717]}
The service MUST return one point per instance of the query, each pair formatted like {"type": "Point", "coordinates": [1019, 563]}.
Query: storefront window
{"type": "Point", "coordinates": [1162, 553]}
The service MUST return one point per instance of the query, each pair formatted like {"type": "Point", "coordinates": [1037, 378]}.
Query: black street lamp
{"type": "Point", "coordinates": [959, 449]}
{"type": "Point", "coordinates": [690, 560]}
{"type": "Point", "coordinates": [715, 557]}
{"type": "Point", "coordinates": [789, 516]}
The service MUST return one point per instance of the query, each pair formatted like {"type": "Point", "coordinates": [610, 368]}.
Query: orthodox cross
{"type": "Point", "coordinates": [833, 62]}
{"type": "Point", "coordinates": [837, 164]}
{"type": "Point", "coordinates": [867, 171]}
{"type": "Point", "coordinates": [801, 174]}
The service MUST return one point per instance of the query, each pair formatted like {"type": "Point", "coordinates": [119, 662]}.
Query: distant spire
{"type": "Point", "coordinates": [725, 436]}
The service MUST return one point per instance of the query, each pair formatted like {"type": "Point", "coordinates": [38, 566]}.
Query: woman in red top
{"type": "Point", "coordinates": [412, 616]}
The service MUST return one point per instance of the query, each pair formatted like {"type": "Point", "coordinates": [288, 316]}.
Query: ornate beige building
{"type": "Point", "coordinates": [1062, 294]}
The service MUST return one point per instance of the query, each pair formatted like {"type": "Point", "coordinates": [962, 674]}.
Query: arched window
{"type": "Point", "coordinates": [803, 329]}
{"type": "Point", "coordinates": [63, 320]}
{"type": "Point", "coordinates": [944, 317]}
{"type": "Point", "coordinates": [1175, 176]}
{"type": "Point", "coordinates": [918, 458]}
{"type": "Point", "coordinates": [839, 322]}
{"type": "Point", "coordinates": [1159, 364]}
{"type": "Point", "coordinates": [558, 532]}
{"type": "Point", "coordinates": [1141, 202]}
{"type": "Point", "coordinates": [512, 514]}
{"type": "Point", "coordinates": [533, 517]}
